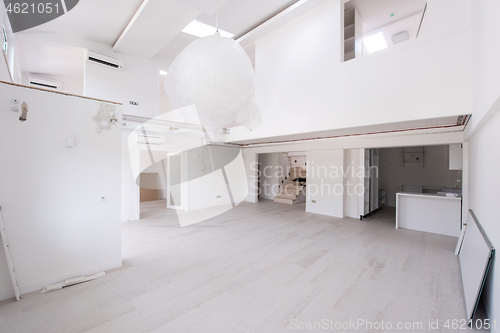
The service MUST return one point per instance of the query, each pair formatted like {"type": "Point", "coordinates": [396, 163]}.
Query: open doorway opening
{"type": "Point", "coordinates": [421, 187]}
{"type": "Point", "coordinates": [150, 184]}
{"type": "Point", "coordinates": [283, 177]}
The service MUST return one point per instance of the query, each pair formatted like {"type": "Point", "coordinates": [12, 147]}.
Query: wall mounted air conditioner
{"type": "Point", "coordinates": [104, 60]}
{"type": "Point", "coordinates": [44, 83]}
{"type": "Point", "coordinates": [151, 139]}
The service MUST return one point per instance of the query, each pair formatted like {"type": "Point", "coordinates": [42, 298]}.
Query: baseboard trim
{"type": "Point", "coordinates": [26, 289]}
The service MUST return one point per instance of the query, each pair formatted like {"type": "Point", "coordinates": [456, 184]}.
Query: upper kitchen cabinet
{"type": "Point", "coordinates": [456, 157]}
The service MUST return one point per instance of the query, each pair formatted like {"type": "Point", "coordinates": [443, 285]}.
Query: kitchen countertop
{"type": "Point", "coordinates": [434, 195]}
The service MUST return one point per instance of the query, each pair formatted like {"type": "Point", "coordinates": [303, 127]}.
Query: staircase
{"type": "Point", "coordinates": [293, 192]}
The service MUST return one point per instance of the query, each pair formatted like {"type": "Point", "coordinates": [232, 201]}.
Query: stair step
{"type": "Point", "coordinates": [287, 196]}
{"type": "Point", "coordinates": [289, 192]}
{"type": "Point", "coordinates": [284, 201]}
{"type": "Point", "coordinates": [292, 188]}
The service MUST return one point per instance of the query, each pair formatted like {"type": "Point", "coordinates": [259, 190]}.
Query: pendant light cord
{"type": "Point", "coordinates": [217, 15]}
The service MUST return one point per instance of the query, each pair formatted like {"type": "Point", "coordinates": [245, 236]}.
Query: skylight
{"type": "Point", "coordinates": [375, 42]}
{"type": "Point", "coordinates": [198, 29]}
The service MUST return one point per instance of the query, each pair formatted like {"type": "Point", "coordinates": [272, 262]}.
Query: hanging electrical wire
{"type": "Point", "coordinates": [217, 15]}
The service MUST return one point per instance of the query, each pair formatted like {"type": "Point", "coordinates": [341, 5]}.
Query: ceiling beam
{"type": "Point", "coordinates": [153, 26]}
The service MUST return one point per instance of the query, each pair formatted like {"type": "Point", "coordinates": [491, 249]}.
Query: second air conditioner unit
{"type": "Point", "coordinates": [44, 83]}
{"type": "Point", "coordinates": [104, 60]}
{"type": "Point", "coordinates": [151, 139]}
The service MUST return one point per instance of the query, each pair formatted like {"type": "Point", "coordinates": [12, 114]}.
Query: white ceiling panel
{"type": "Point", "coordinates": [155, 24]}
{"type": "Point", "coordinates": [99, 21]}
{"type": "Point", "coordinates": [177, 44]}
{"type": "Point", "coordinates": [239, 16]}
{"type": "Point", "coordinates": [208, 7]}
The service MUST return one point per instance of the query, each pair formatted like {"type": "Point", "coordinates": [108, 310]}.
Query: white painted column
{"type": "Point", "coordinates": [325, 182]}
{"type": "Point", "coordinates": [252, 168]}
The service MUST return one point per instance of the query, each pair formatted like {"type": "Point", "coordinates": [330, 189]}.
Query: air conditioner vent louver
{"type": "Point", "coordinates": [45, 83]}
{"type": "Point", "coordinates": [151, 139]}
{"type": "Point", "coordinates": [104, 60]}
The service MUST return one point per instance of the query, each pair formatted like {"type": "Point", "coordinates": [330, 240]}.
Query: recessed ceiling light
{"type": "Point", "coordinates": [198, 29]}
{"type": "Point", "coordinates": [400, 37]}
{"type": "Point", "coordinates": [163, 72]}
{"type": "Point", "coordinates": [375, 42]}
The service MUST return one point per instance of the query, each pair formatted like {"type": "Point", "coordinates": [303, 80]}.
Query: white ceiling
{"type": "Point", "coordinates": [150, 27]}
{"type": "Point", "coordinates": [236, 17]}
{"type": "Point", "coordinates": [105, 21]}
{"type": "Point", "coordinates": [154, 25]}
{"type": "Point", "coordinates": [100, 21]}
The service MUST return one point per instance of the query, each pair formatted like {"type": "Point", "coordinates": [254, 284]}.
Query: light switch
{"type": "Point", "coordinates": [70, 142]}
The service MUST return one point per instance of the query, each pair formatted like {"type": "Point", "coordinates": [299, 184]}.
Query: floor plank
{"type": "Point", "coordinates": [265, 267]}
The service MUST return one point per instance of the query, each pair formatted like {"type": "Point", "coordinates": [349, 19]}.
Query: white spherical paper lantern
{"type": "Point", "coordinates": [215, 74]}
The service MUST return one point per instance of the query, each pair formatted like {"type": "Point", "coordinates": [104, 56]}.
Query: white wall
{"type": "Point", "coordinates": [484, 181]}
{"type": "Point", "coordinates": [299, 49]}
{"type": "Point", "coordinates": [435, 172]}
{"type": "Point", "coordinates": [486, 50]}
{"type": "Point", "coordinates": [269, 175]}
{"type": "Point", "coordinates": [56, 224]}
{"type": "Point", "coordinates": [325, 182]}
{"type": "Point", "coordinates": [301, 84]}
{"type": "Point", "coordinates": [138, 82]}
{"type": "Point", "coordinates": [351, 167]}
{"type": "Point", "coordinates": [483, 136]}
{"type": "Point", "coordinates": [72, 85]}
{"type": "Point", "coordinates": [208, 188]}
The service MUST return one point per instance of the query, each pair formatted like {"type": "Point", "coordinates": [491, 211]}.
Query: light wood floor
{"type": "Point", "coordinates": [257, 268]}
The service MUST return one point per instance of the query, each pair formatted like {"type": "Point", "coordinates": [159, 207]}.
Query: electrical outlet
{"type": "Point", "coordinates": [103, 198]}
{"type": "Point", "coordinates": [313, 201]}
{"type": "Point", "coordinates": [134, 103]}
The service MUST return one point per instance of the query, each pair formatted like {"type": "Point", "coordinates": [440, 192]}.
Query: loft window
{"type": "Point", "coordinates": [5, 44]}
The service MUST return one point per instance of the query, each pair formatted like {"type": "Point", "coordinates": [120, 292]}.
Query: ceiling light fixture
{"type": "Point", "coordinates": [199, 29]}
{"type": "Point", "coordinates": [215, 77]}
{"type": "Point", "coordinates": [375, 42]}
{"type": "Point", "coordinates": [400, 37]}
{"type": "Point", "coordinates": [163, 72]}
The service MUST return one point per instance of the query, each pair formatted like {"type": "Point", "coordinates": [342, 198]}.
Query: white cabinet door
{"type": "Point", "coordinates": [456, 157]}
